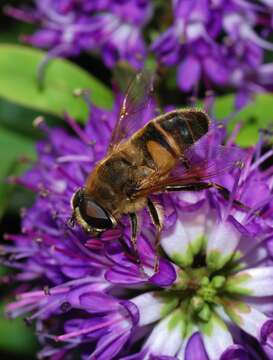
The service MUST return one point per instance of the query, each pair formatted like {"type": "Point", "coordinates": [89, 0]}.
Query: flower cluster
{"type": "Point", "coordinates": [211, 298]}
{"type": "Point", "coordinates": [68, 27]}
{"type": "Point", "coordinates": [214, 44]}
{"type": "Point", "coordinates": [219, 44]}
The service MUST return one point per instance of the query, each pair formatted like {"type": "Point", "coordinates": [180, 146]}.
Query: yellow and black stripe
{"type": "Point", "coordinates": [165, 139]}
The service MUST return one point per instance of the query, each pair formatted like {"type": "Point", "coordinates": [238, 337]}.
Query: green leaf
{"type": "Point", "coordinates": [12, 148]}
{"type": "Point", "coordinates": [15, 336]}
{"type": "Point", "coordinates": [18, 83]}
{"type": "Point", "coordinates": [257, 115]}
{"type": "Point", "coordinates": [19, 119]}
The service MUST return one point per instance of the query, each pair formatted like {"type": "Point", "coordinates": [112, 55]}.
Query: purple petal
{"type": "Point", "coordinates": [166, 274]}
{"type": "Point", "coordinates": [195, 349]}
{"type": "Point", "coordinates": [235, 352]}
{"type": "Point", "coordinates": [110, 54]}
{"type": "Point", "coordinates": [110, 345]}
{"type": "Point", "coordinates": [166, 47]}
{"type": "Point", "coordinates": [216, 70]}
{"type": "Point", "coordinates": [132, 310]}
{"type": "Point", "coordinates": [121, 275]}
{"type": "Point", "coordinates": [138, 356]}
{"type": "Point", "coordinates": [267, 338]}
{"type": "Point", "coordinates": [98, 302]}
{"type": "Point", "coordinates": [189, 72]}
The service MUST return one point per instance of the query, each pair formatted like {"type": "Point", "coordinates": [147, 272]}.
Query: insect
{"type": "Point", "coordinates": [144, 160]}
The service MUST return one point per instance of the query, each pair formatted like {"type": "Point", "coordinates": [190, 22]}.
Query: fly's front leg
{"type": "Point", "coordinates": [134, 231]}
{"type": "Point", "coordinates": [198, 186]}
{"type": "Point", "coordinates": [158, 222]}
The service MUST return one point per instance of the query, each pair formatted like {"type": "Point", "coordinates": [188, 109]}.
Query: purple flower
{"type": "Point", "coordinates": [218, 44]}
{"type": "Point", "coordinates": [213, 294]}
{"type": "Point", "coordinates": [110, 27]}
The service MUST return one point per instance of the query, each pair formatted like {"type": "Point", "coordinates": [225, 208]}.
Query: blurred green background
{"type": "Point", "coordinates": [16, 139]}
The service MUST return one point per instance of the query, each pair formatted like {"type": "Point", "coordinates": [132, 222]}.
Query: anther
{"type": "Point", "coordinates": [43, 192]}
{"type": "Point", "coordinates": [38, 240]}
{"type": "Point", "coordinates": [84, 94]}
{"type": "Point", "coordinates": [66, 306]}
{"type": "Point", "coordinates": [240, 164]}
{"type": "Point", "coordinates": [46, 290]}
{"type": "Point", "coordinates": [38, 121]}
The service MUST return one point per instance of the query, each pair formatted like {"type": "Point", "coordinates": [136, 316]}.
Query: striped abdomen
{"type": "Point", "coordinates": [185, 127]}
{"type": "Point", "coordinates": [165, 139]}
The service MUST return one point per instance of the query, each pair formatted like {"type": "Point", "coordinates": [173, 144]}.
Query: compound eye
{"type": "Point", "coordinates": [95, 215]}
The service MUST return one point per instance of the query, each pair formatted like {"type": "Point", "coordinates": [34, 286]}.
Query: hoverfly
{"type": "Point", "coordinates": [145, 160]}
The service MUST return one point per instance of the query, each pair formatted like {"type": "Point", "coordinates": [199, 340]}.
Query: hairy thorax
{"type": "Point", "coordinates": [115, 181]}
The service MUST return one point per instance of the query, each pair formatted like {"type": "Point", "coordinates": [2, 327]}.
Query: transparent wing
{"type": "Point", "coordinates": [135, 109]}
{"type": "Point", "coordinates": [203, 162]}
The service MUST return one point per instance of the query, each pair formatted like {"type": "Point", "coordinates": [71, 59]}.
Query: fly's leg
{"type": "Point", "coordinates": [134, 226]}
{"type": "Point", "coordinates": [198, 186]}
{"type": "Point", "coordinates": [155, 216]}
{"type": "Point", "coordinates": [134, 231]}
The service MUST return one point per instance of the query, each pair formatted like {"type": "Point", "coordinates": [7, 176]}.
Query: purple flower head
{"type": "Point", "coordinates": [216, 43]}
{"type": "Point", "coordinates": [213, 288]}
{"type": "Point", "coordinates": [110, 27]}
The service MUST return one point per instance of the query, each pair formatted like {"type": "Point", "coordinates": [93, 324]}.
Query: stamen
{"type": "Point", "coordinates": [86, 330]}
{"type": "Point", "coordinates": [22, 182]}
{"type": "Point", "coordinates": [111, 235]}
{"type": "Point", "coordinates": [233, 192]}
{"type": "Point", "coordinates": [73, 158]}
{"type": "Point", "coordinates": [248, 162]}
{"type": "Point", "coordinates": [255, 210]}
{"type": "Point", "coordinates": [85, 95]}
{"type": "Point", "coordinates": [258, 148]}
{"type": "Point", "coordinates": [74, 283]}
{"type": "Point", "coordinates": [45, 308]}
{"type": "Point", "coordinates": [209, 101]}
{"type": "Point", "coordinates": [94, 257]}
{"type": "Point", "coordinates": [234, 134]}
{"type": "Point", "coordinates": [249, 6]}
{"type": "Point", "coordinates": [19, 14]}
{"type": "Point", "coordinates": [78, 130]}
{"type": "Point", "coordinates": [94, 244]}
{"type": "Point", "coordinates": [68, 176]}
{"type": "Point", "coordinates": [248, 33]}
{"type": "Point", "coordinates": [43, 65]}
{"type": "Point", "coordinates": [40, 123]}
{"type": "Point", "coordinates": [41, 293]}
{"type": "Point", "coordinates": [257, 163]}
